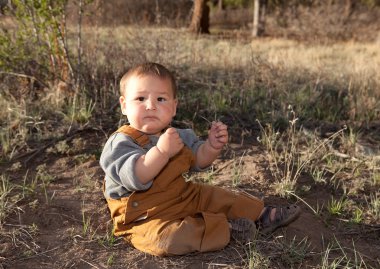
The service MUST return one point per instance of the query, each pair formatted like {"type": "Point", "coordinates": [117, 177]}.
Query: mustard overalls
{"type": "Point", "coordinates": [174, 216]}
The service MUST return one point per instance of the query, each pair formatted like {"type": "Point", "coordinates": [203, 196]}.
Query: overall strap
{"type": "Point", "coordinates": [140, 138]}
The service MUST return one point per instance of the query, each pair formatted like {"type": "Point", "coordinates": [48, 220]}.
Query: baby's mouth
{"type": "Point", "coordinates": [150, 117]}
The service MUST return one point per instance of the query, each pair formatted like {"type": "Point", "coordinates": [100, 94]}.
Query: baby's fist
{"type": "Point", "coordinates": [218, 135]}
{"type": "Point", "coordinates": [170, 143]}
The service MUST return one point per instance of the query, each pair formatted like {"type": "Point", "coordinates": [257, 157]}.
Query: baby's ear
{"type": "Point", "coordinates": [175, 107]}
{"type": "Point", "coordinates": [122, 104]}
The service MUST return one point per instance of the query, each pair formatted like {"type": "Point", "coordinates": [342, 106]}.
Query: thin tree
{"type": "Point", "coordinates": [200, 19]}
{"type": "Point", "coordinates": [259, 10]}
{"type": "Point", "coordinates": [220, 5]}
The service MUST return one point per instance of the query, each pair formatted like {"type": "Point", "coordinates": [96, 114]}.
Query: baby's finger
{"type": "Point", "coordinates": [222, 139]}
{"type": "Point", "coordinates": [222, 126]}
{"type": "Point", "coordinates": [213, 126]}
{"type": "Point", "coordinates": [171, 130]}
{"type": "Point", "coordinates": [221, 133]}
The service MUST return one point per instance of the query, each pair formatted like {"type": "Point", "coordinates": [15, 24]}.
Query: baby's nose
{"type": "Point", "coordinates": [150, 105]}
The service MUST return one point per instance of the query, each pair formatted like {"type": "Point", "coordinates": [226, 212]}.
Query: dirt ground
{"type": "Point", "coordinates": [67, 223]}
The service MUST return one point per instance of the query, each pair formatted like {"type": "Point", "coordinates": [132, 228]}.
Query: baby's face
{"type": "Point", "coordinates": [149, 103]}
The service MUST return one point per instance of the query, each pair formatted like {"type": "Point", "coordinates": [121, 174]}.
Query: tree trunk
{"type": "Point", "coordinates": [220, 5]}
{"type": "Point", "coordinates": [259, 10]}
{"type": "Point", "coordinates": [157, 18]}
{"type": "Point", "coordinates": [200, 19]}
{"type": "Point", "coordinates": [256, 12]}
{"type": "Point", "coordinates": [348, 9]}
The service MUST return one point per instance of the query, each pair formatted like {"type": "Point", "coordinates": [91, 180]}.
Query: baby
{"type": "Point", "coordinates": [153, 207]}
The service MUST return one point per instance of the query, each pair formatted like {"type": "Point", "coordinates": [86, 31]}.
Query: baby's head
{"type": "Point", "coordinates": [148, 97]}
{"type": "Point", "coordinates": [148, 69]}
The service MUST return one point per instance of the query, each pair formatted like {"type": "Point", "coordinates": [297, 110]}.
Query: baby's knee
{"type": "Point", "coordinates": [164, 244]}
{"type": "Point", "coordinates": [175, 243]}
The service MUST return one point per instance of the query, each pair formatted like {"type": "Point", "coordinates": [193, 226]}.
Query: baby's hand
{"type": "Point", "coordinates": [170, 142]}
{"type": "Point", "coordinates": [218, 135]}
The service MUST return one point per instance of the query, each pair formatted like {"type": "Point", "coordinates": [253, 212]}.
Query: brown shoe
{"type": "Point", "coordinates": [282, 217]}
{"type": "Point", "coordinates": [243, 230]}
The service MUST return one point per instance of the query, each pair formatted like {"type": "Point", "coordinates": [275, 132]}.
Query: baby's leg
{"type": "Point", "coordinates": [203, 232]}
{"type": "Point", "coordinates": [233, 204]}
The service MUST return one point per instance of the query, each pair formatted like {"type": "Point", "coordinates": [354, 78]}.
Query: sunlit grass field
{"type": "Point", "coordinates": [313, 108]}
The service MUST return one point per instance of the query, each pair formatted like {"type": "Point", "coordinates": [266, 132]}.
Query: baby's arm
{"type": "Point", "coordinates": [209, 151]}
{"type": "Point", "coordinates": [149, 165]}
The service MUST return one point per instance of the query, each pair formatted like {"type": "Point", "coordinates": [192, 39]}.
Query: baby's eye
{"type": "Point", "coordinates": [161, 99]}
{"type": "Point", "coordinates": [140, 98]}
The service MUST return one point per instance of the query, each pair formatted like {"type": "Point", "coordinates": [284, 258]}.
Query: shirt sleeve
{"type": "Point", "coordinates": [191, 140]}
{"type": "Point", "coordinates": [118, 160]}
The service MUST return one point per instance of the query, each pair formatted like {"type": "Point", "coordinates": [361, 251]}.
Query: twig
{"type": "Point", "coordinates": [64, 215]}
{"type": "Point", "coordinates": [34, 152]}
{"type": "Point", "coordinates": [374, 227]}
{"type": "Point", "coordinates": [90, 264]}
{"type": "Point", "coordinates": [341, 155]}
{"type": "Point", "coordinates": [359, 232]}
{"type": "Point", "coordinates": [39, 254]}
{"type": "Point", "coordinates": [217, 264]}
{"type": "Point", "coordinates": [292, 193]}
{"type": "Point", "coordinates": [24, 76]}
{"type": "Point", "coordinates": [223, 166]}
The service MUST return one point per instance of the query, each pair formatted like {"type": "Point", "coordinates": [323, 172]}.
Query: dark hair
{"type": "Point", "coordinates": [149, 68]}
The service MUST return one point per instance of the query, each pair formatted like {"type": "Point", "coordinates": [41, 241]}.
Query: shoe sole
{"type": "Point", "coordinates": [243, 230]}
{"type": "Point", "coordinates": [283, 223]}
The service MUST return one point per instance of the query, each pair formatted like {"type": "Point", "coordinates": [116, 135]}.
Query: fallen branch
{"type": "Point", "coordinates": [24, 76]}
{"type": "Point", "coordinates": [68, 137]}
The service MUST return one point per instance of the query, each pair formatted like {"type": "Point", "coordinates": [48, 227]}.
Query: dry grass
{"type": "Point", "coordinates": [237, 81]}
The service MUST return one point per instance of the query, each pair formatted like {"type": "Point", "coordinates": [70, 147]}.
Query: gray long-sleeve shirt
{"type": "Point", "coordinates": [119, 156]}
